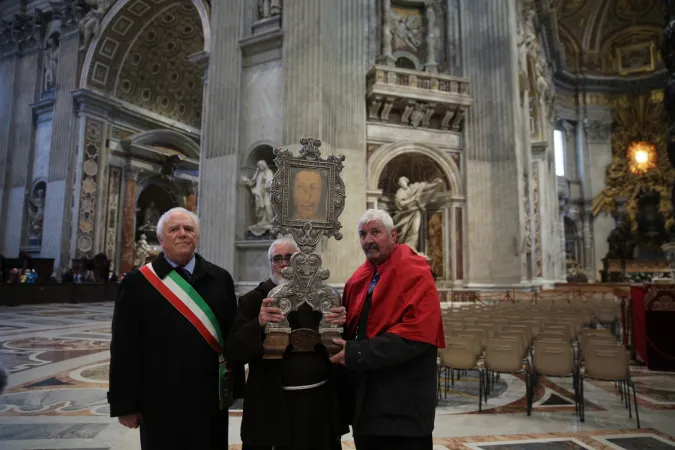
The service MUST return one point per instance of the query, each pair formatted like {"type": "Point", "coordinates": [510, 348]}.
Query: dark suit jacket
{"type": "Point", "coordinates": [162, 367]}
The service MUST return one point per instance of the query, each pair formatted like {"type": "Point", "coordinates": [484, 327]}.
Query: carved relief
{"type": "Point", "coordinates": [597, 131]}
{"type": "Point", "coordinates": [537, 219]}
{"type": "Point", "coordinates": [36, 213]}
{"type": "Point", "coordinates": [88, 188]}
{"type": "Point", "coordinates": [112, 220]}
{"type": "Point", "coordinates": [22, 31]}
{"type": "Point", "coordinates": [435, 243]}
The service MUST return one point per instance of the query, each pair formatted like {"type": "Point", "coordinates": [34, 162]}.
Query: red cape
{"type": "Point", "coordinates": [405, 301]}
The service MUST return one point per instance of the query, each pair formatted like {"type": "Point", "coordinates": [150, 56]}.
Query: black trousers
{"type": "Point", "coordinates": [369, 442]}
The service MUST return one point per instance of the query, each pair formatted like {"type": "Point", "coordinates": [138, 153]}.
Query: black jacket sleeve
{"type": "Point", "coordinates": [126, 356]}
{"type": "Point", "coordinates": [382, 352]}
{"type": "Point", "coordinates": [245, 341]}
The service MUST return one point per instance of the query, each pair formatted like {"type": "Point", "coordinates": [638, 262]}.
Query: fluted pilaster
{"type": "Point", "coordinates": [7, 82]}
{"type": "Point", "coordinates": [59, 193]}
{"type": "Point", "coordinates": [325, 47]}
{"type": "Point", "coordinates": [64, 136]}
{"type": "Point", "coordinates": [220, 136]}
{"type": "Point", "coordinates": [20, 150]}
{"type": "Point", "coordinates": [493, 141]}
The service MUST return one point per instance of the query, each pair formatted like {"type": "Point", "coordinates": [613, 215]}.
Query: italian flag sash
{"type": "Point", "coordinates": [190, 304]}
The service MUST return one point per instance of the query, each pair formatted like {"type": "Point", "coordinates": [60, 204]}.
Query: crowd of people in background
{"type": "Point", "coordinates": [75, 273]}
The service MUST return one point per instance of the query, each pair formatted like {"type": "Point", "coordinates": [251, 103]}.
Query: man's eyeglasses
{"type": "Point", "coordinates": [277, 259]}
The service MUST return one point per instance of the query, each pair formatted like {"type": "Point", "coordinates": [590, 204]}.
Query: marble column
{"type": "Point", "coordinates": [493, 142]}
{"type": "Point", "coordinates": [128, 243]}
{"type": "Point", "coordinates": [432, 64]}
{"type": "Point", "coordinates": [324, 54]}
{"type": "Point", "coordinates": [20, 157]}
{"type": "Point", "coordinates": [599, 146]}
{"type": "Point", "coordinates": [191, 197]}
{"type": "Point", "coordinates": [386, 57]}
{"type": "Point", "coordinates": [218, 171]}
{"type": "Point", "coordinates": [8, 65]}
{"type": "Point", "coordinates": [55, 238]}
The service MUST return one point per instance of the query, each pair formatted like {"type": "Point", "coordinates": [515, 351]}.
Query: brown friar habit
{"type": "Point", "coordinates": [162, 367]}
{"type": "Point", "coordinates": [296, 419]}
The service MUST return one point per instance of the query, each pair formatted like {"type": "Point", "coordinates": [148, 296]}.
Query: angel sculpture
{"type": "Point", "coordinates": [90, 25]}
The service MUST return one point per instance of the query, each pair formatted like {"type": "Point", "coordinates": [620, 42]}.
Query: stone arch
{"type": "Point", "coordinates": [200, 5]}
{"type": "Point", "coordinates": [164, 137]}
{"type": "Point", "coordinates": [386, 153]}
{"type": "Point", "coordinates": [259, 150]}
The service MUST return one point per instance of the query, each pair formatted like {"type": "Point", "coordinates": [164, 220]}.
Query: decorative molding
{"type": "Point", "coordinates": [112, 212]}
{"type": "Point", "coordinates": [86, 217]}
{"type": "Point", "coordinates": [415, 98]}
{"type": "Point", "coordinates": [597, 131]}
{"type": "Point", "coordinates": [536, 202]}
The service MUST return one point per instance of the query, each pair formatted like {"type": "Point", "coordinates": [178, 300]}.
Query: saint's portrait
{"type": "Point", "coordinates": [309, 191]}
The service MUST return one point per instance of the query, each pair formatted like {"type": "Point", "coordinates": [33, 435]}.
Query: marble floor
{"type": "Point", "coordinates": [58, 357]}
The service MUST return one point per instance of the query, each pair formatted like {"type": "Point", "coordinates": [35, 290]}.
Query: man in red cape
{"type": "Point", "coordinates": [392, 334]}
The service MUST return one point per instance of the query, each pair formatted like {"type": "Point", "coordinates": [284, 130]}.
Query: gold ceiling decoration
{"type": "Point", "coordinates": [610, 37]}
{"type": "Point", "coordinates": [639, 137]}
{"type": "Point", "coordinates": [641, 156]}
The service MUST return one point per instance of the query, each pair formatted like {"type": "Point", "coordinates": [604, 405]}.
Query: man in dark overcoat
{"type": "Point", "coordinates": [165, 376]}
{"type": "Point", "coordinates": [290, 403]}
{"type": "Point", "coordinates": [392, 335]}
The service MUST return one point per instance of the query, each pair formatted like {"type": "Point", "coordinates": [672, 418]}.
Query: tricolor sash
{"type": "Point", "coordinates": [193, 307]}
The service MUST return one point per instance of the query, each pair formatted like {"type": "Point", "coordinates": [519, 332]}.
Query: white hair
{"type": "Point", "coordinates": [282, 241]}
{"type": "Point", "coordinates": [172, 211]}
{"type": "Point", "coordinates": [373, 215]}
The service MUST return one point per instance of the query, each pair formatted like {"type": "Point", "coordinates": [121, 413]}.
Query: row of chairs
{"type": "Point", "coordinates": [535, 340]}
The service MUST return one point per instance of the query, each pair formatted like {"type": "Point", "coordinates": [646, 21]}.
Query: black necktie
{"type": "Point", "coordinates": [183, 272]}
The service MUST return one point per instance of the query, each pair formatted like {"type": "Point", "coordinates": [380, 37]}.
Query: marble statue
{"type": "Point", "coordinates": [90, 25]}
{"type": "Point", "coordinates": [150, 219]}
{"type": "Point", "coordinates": [50, 62]}
{"type": "Point", "coordinates": [387, 36]}
{"type": "Point", "coordinates": [268, 8]}
{"type": "Point", "coordinates": [36, 212]}
{"type": "Point", "coordinates": [411, 201]}
{"type": "Point", "coordinates": [417, 115]}
{"type": "Point", "coordinates": [544, 85]}
{"type": "Point", "coordinates": [260, 184]}
{"type": "Point", "coordinates": [143, 251]}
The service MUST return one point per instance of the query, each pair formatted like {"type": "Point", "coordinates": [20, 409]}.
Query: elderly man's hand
{"type": "Point", "coordinates": [268, 313]}
{"type": "Point", "coordinates": [131, 420]}
{"type": "Point", "coordinates": [337, 316]}
{"type": "Point", "coordinates": [340, 357]}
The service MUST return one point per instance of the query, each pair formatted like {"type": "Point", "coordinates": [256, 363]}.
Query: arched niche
{"type": "Point", "coordinates": [386, 153]}
{"type": "Point", "coordinates": [155, 196]}
{"type": "Point", "coordinates": [260, 151]}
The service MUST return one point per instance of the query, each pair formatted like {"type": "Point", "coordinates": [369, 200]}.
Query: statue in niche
{"type": "Point", "coordinates": [544, 86]}
{"type": "Point", "coordinates": [621, 241]}
{"type": "Point", "coordinates": [260, 184]}
{"type": "Point", "coordinates": [268, 8]}
{"type": "Point", "coordinates": [150, 219]}
{"type": "Point", "coordinates": [143, 251]}
{"type": "Point", "coordinates": [411, 201]}
{"type": "Point", "coordinates": [90, 25]}
{"type": "Point", "coordinates": [50, 61]}
{"type": "Point", "coordinates": [36, 213]}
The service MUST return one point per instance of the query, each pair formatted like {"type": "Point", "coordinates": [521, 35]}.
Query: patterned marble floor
{"type": "Point", "coordinates": [58, 357]}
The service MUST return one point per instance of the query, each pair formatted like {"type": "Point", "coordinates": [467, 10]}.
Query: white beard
{"type": "Point", "coordinates": [277, 279]}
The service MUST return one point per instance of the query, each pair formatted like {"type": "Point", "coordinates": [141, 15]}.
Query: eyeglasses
{"type": "Point", "coordinates": [277, 259]}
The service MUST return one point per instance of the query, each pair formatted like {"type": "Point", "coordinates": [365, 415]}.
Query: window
{"type": "Point", "coordinates": [559, 147]}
